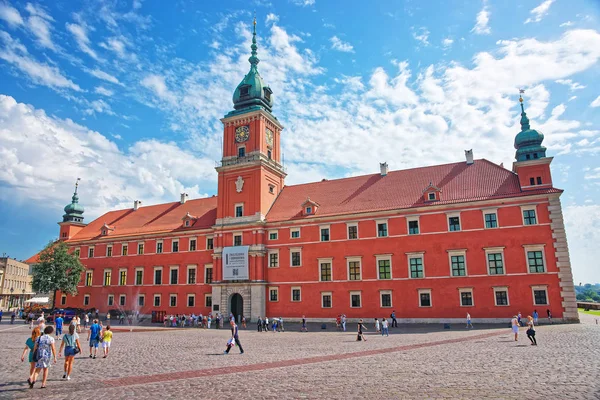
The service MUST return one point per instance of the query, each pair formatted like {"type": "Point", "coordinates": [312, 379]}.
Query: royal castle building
{"type": "Point", "coordinates": [432, 243]}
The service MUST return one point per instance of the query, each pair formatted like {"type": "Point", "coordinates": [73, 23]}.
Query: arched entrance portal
{"type": "Point", "coordinates": [237, 306]}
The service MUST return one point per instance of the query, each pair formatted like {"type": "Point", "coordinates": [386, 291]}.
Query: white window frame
{"type": "Point", "coordinates": [465, 290]}
{"type": "Point", "coordinates": [461, 252]}
{"type": "Point", "coordinates": [206, 267]}
{"type": "Point", "coordinates": [535, 247]}
{"type": "Point", "coordinates": [381, 293]}
{"type": "Point", "coordinates": [190, 243]}
{"type": "Point", "coordinates": [274, 251]}
{"type": "Point", "coordinates": [330, 294]}
{"type": "Point", "coordinates": [124, 246]}
{"type": "Point", "coordinates": [186, 223]}
{"type": "Point", "coordinates": [348, 261]}
{"type": "Point", "coordinates": [271, 232]}
{"type": "Point", "coordinates": [110, 300]}
{"type": "Point", "coordinates": [143, 248]}
{"type": "Point", "coordinates": [154, 300]}
{"type": "Point", "coordinates": [162, 250]}
{"type": "Point", "coordinates": [143, 296]}
{"type": "Point", "coordinates": [276, 289]}
{"type": "Point", "coordinates": [454, 215]}
{"type": "Point", "coordinates": [241, 146]}
{"type": "Point", "coordinates": [294, 250]}
{"type": "Point", "coordinates": [491, 211]}
{"type": "Point", "coordinates": [171, 268]}
{"type": "Point", "coordinates": [530, 207]}
{"type": "Point", "coordinates": [348, 225]}
{"type": "Point", "coordinates": [540, 287]}
{"type": "Point", "coordinates": [154, 276]}
{"type": "Point", "coordinates": [321, 227]}
{"type": "Point", "coordinates": [189, 268]}
{"type": "Point", "coordinates": [86, 297]}
{"type": "Point", "coordinates": [187, 302]}
{"type": "Point", "coordinates": [93, 249]}
{"type": "Point", "coordinates": [493, 250]}
{"type": "Point", "coordinates": [237, 234]}
{"type": "Point", "coordinates": [63, 299]}
{"type": "Point", "coordinates": [124, 297]}
{"type": "Point", "coordinates": [409, 219]}
{"type": "Point", "coordinates": [171, 295]}
{"type": "Point", "coordinates": [383, 257]}
{"type": "Point", "coordinates": [206, 242]}
{"type": "Point", "coordinates": [235, 206]}
{"type": "Point", "coordinates": [417, 254]}
{"type": "Point", "coordinates": [119, 277]}
{"type": "Point", "coordinates": [109, 246]}
{"type": "Point", "coordinates": [423, 291]}
{"type": "Point", "coordinates": [387, 227]}
{"type": "Point", "coordinates": [295, 230]}
{"type": "Point", "coordinates": [292, 294]}
{"type": "Point", "coordinates": [91, 272]}
{"type": "Point", "coordinates": [354, 293]}
{"type": "Point", "coordinates": [326, 261]}
{"type": "Point", "coordinates": [173, 241]}
{"type": "Point", "coordinates": [104, 277]}
{"type": "Point", "coordinates": [501, 289]}
{"type": "Point", "coordinates": [206, 296]}
{"type": "Point", "coordinates": [135, 276]}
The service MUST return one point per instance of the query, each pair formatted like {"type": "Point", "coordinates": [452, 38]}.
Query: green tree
{"type": "Point", "coordinates": [57, 270]}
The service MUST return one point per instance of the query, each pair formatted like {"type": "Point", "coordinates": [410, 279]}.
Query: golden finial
{"type": "Point", "coordinates": [521, 91]}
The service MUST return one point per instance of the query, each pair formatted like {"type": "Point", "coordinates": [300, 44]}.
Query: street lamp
{"type": "Point", "coordinates": [11, 297]}
{"type": "Point", "coordinates": [23, 299]}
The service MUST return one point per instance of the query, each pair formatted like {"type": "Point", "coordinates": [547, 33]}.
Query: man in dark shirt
{"type": "Point", "coordinates": [234, 337]}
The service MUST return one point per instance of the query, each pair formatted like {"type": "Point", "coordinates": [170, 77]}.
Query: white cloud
{"type": "Point", "coordinates": [447, 42]}
{"type": "Point", "coordinates": [157, 85]}
{"type": "Point", "coordinates": [581, 222]}
{"type": "Point", "coordinates": [81, 37]}
{"type": "Point", "coordinates": [539, 12]}
{"type": "Point", "coordinates": [340, 45]}
{"type": "Point", "coordinates": [304, 3]}
{"type": "Point", "coordinates": [41, 29]}
{"type": "Point", "coordinates": [271, 18]}
{"type": "Point", "coordinates": [215, 45]}
{"type": "Point", "coordinates": [566, 24]}
{"type": "Point", "coordinates": [103, 75]}
{"type": "Point", "coordinates": [572, 85]}
{"type": "Point", "coordinates": [103, 91]}
{"type": "Point", "coordinates": [11, 15]}
{"type": "Point", "coordinates": [13, 52]}
{"type": "Point", "coordinates": [100, 107]}
{"type": "Point", "coordinates": [595, 103]}
{"type": "Point", "coordinates": [482, 22]}
{"type": "Point", "coordinates": [119, 45]}
{"type": "Point", "coordinates": [421, 35]}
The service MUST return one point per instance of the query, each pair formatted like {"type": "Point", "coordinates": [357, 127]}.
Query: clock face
{"type": "Point", "coordinates": [269, 136]}
{"type": "Point", "coordinates": [242, 133]}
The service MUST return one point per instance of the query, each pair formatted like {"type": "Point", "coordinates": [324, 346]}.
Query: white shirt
{"type": "Point", "coordinates": [384, 323]}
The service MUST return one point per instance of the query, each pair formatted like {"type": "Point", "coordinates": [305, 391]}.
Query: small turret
{"type": "Point", "coordinates": [528, 142]}
{"type": "Point", "coordinates": [74, 210]}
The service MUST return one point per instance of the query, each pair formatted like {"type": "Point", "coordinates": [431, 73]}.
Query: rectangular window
{"type": "Point", "coordinates": [326, 300]}
{"type": "Point", "coordinates": [239, 211]}
{"type": "Point", "coordinates": [237, 240]}
{"type": "Point", "coordinates": [354, 270]}
{"type": "Point", "coordinates": [173, 300]}
{"type": "Point", "coordinates": [295, 259]}
{"type": "Point", "coordinates": [454, 224]}
{"type": "Point", "coordinates": [141, 300]}
{"type": "Point", "coordinates": [529, 217]}
{"type": "Point", "coordinates": [355, 300]}
{"type": "Point", "coordinates": [491, 220]}
{"type": "Point", "coordinates": [413, 227]}
{"type": "Point", "coordinates": [77, 253]}
{"type": "Point", "coordinates": [209, 243]}
{"type": "Point", "coordinates": [532, 181]}
{"type": "Point", "coordinates": [424, 298]}
{"type": "Point", "coordinates": [157, 300]}
{"type": "Point", "coordinates": [273, 235]}
{"type": "Point", "coordinates": [466, 298]}
{"type": "Point", "coordinates": [352, 232]}
{"type": "Point", "coordinates": [91, 252]}
{"type": "Point", "coordinates": [208, 275]}
{"type": "Point", "coordinates": [123, 278]}
{"type": "Point", "coordinates": [539, 180]}
{"type": "Point", "coordinates": [382, 229]}
{"type": "Point", "coordinates": [295, 233]}
{"type": "Point", "coordinates": [535, 260]}
{"type": "Point", "coordinates": [191, 276]}
{"type": "Point", "coordinates": [416, 267]}
{"type": "Point", "coordinates": [324, 234]}
{"type": "Point", "coordinates": [174, 276]}
{"type": "Point", "coordinates": [273, 260]}
{"type": "Point", "coordinates": [63, 299]}
{"type": "Point", "coordinates": [495, 264]}
{"type": "Point", "coordinates": [540, 297]}
{"type": "Point", "coordinates": [108, 251]}
{"type": "Point", "coordinates": [241, 152]}
{"type": "Point", "coordinates": [124, 250]}
{"type": "Point", "coordinates": [192, 244]}
{"type": "Point", "coordinates": [191, 300]}
{"type": "Point", "coordinates": [385, 271]}
{"type": "Point", "coordinates": [88, 278]}
{"type": "Point", "coordinates": [501, 297]}
{"type": "Point", "coordinates": [86, 300]}
{"type": "Point", "coordinates": [139, 277]}
{"type": "Point", "coordinates": [107, 276]}
{"type": "Point", "coordinates": [208, 300]}
{"type": "Point", "coordinates": [159, 247]}
{"type": "Point", "coordinates": [273, 294]}
{"type": "Point", "coordinates": [325, 268]}
{"type": "Point", "coordinates": [458, 266]}
{"type": "Point", "coordinates": [122, 300]}
{"type": "Point", "coordinates": [386, 299]}
{"type": "Point", "coordinates": [111, 299]}
{"type": "Point", "coordinates": [175, 246]}
{"type": "Point", "coordinates": [158, 276]}
{"type": "Point", "coordinates": [295, 294]}
{"type": "Point", "coordinates": [140, 248]}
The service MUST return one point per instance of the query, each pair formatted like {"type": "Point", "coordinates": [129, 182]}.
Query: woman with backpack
{"type": "Point", "coordinates": [44, 349]}
{"type": "Point", "coordinates": [72, 346]}
{"type": "Point", "coordinates": [29, 345]}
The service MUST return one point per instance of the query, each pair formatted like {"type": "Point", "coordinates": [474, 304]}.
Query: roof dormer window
{"type": "Point", "coordinates": [309, 207]}
{"type": "Point", "coordinates": [431, 196]}
{"type": "Point", "coordinates": [105, 230]}
{"type": "Point", "coordinates": [188, 220]}
{"type": "Point", "coordinates": [267, 94]}
{"type": "Point", "coordinates": [431, 193]}
{"type": "Point", "coordinates": [244, 91]}
{"type": "Point", "coordinates": [309, 210]}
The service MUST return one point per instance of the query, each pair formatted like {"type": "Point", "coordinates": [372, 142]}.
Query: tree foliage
{"type": "Point", "coordinates": [588, 292]}
{"type": "Point", "coordinates": [57, 270]}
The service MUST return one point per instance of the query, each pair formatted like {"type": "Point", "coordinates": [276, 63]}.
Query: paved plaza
{"type": "Point", "coordinates": [413, 362]}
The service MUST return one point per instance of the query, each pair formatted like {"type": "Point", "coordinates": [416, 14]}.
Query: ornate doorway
{"type": "Point", "coordinates": [237, 306]}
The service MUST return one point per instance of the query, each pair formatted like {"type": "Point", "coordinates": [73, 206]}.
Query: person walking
{"type": "Point", "coordinates": [265, 324]}
{"type": "Point", "coordinates": [44, 346]}
{"type": "Point", "coordinates": [344, 322]}
{"type": "Point", "coordinates": [234, 338]}
{"type": "Point", "coordinates": [1, 313]}
{"type": "Point", "coordinates": [86, 321]}
{"type": "Point", "coordinates": [58, 326]}
{"type": "Point", "coordinates": [259, 324]}
{"type": "Point", "coordinates": [12, 318]}
{"type": "Point", "coordinates": [208, 321]}
{"type": "Point", "coordinates": [243, 322]}
{"type": "Point", "coordinates": [519, 318]}
{"type": "Point", "coordinates": [72, 346]}
{"type": "Point", "coordinates": [94, 338]}
{"type": "Point", "coordinates": [469, 324]}
{"type": "Point", "coordinates": [535, 317]}
{"type": "Point", "coordinates": [549, 315]}
{"type": "Point", "coordinates": [393, 317]}
{"type": "Point", "coordinates": [29, 345]}
{"type": "Point", "coordinates": [531, 330]}
{"type": "Point", "coordinates": [303, 328]}
{"type": "Point", "coordinates": [361, 336]}
{"type": "Point", "coordinates": [385, 330]}
{"type": "Point", "coordinates": [515, 327]}
{"type": "Point", "coordinates": [218, 321]}
{"type": "Point", "coordinates": [281, 325]}
{"type": "Point", "coordinates": [377, 330]}
{"type": "Point", "coordinates": [106, 340]}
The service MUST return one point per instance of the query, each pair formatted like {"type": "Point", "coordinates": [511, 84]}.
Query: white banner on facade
{"type": "Point", "coordinates": [235, 263]}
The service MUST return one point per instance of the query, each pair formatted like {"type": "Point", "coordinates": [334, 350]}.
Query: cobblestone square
{"type": "Point", "coordinates": [413, 362]}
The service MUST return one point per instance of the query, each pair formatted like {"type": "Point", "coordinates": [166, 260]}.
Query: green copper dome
{"type": "Point", "coordinates": [528, 142]}
{"type": "Point", "coordinates": [253, 92]}
{"type": "Point", "coordinates": [74, 210]}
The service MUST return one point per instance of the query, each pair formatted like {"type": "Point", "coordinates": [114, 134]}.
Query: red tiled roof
{"type": "Point", "coordinates": [153, 219]}
{"type": "Point", "coordinates": [33, 259]}
{"type": "Point", "coordinates": [458, 182]}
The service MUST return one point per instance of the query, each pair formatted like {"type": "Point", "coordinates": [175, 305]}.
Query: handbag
{"type": "Point", "coordinates": [530, 332]}
{"type": "Point", "coordinates": [35, 357]}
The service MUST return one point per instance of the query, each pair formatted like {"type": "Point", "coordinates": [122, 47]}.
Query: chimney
{"type": "Point", "coordinates": [384, 168]}
{"type": "Point", "coordinates": [184, 197]}
{"type": "Point", "coordinates": [136, 204]}
{"type": "Point", "coordinates": [469, 155]}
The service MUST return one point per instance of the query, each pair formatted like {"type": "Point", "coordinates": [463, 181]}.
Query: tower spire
{"type": "Point", "coordinates": [253, 58]}
{"type": "Point", "coordinates": [524, 119]}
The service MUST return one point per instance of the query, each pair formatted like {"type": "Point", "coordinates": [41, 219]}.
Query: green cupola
{"type": "Point", "coordinates": [252, 93]}
{"type": "Point", "coordinates": [74, 210]}
{"type": "Point", "coordinates": [528, 142]}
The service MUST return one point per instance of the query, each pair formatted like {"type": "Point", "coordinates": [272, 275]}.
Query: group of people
{"type": "Point", "coordinates": [197, 321]}
{"type": "Point", "coordinates": [13, 315]}
{"type": "Point", "coordinates": [262, 324]}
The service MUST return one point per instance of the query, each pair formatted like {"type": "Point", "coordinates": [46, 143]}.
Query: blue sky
{"type": "Point", "coordinates": [128, 95]}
